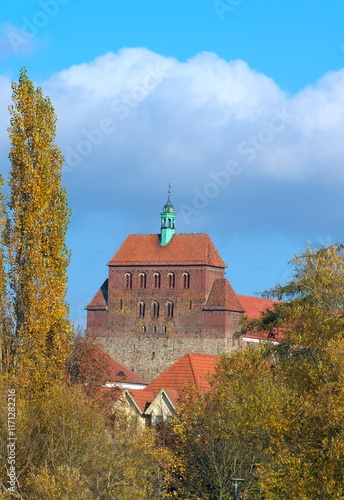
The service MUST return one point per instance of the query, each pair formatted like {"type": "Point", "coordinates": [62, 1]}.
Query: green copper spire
{"type": "Point", "coordinates": [168, 218]}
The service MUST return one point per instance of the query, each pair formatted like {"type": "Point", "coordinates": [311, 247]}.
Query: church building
{"type": "Point", "coordinates": [166, 295]}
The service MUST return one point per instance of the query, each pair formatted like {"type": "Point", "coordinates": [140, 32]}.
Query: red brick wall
{"type": "Point", "coordinates": [97, 322]}
{"type": "Point", "coordinates": [120, 329]}
{"type": "Point", "coordinates": [188, 303]}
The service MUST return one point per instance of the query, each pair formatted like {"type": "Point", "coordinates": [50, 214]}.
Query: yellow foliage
{"type": "Point", "coordinates": [67, 449]}
{"type": "Point", "coordinates": [35, 239]}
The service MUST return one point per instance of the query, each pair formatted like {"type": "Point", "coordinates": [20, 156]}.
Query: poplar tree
{"type": "Point", "coordinates": [35, 237]}
{"type": "Point", "coordinates": [6, 337]}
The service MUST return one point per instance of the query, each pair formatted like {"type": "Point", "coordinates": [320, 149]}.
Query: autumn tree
{"type": "Point", "coordinates": [225, 433]}
{"type": "Point", "coordinates": [275, 414]}
{"type": "Point", "coordinates": [68, 449]}
{"type": "Point", "coordinates": [308, 450]}
{"type": "Point", "coordinates": [90, 367]}
{"type": "Point", "coordinates": [35, 237]}
{"type": "Point", "coordinates": [6, 331]}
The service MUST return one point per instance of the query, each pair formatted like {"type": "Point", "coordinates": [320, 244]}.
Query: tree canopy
{"type": "Point", "coordinates": [275, 415]}
{"type": "Point", "coordinates": [35, 233]}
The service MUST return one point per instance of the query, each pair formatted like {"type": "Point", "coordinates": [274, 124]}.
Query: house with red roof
{"type": "Point", "coordinates": [167, 295]}
{"type": "Point", "coordinates": [157, 402]}
{"type": "Point", "coordinates": [120, 376]}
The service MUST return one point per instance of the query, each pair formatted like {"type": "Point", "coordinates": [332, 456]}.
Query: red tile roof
{"type": "Point", "coordinates": [183, 249]}
{"type": "Point", "coordinates": [99, 301]}
{"type": "Point", "coordinates": [254, 306]}
{"type": "Point", "coordinates": [222, 297]}
{"type": "Point", "coordinates": [173, 395]}
{"type": "Point", "coordinates": [143, 398]}
{"type": "Point", "coordinates": [191, 368]}
{"type": "Point", "coordinates": [120, 373]}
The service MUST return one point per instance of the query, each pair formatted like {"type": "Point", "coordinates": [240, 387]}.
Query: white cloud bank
{"type": "Point", "coordinates": [135, 119]}
{"type": "Point", "coordinates": [240, 153]}
{"type": "Point", "coordinates": [193, 114]}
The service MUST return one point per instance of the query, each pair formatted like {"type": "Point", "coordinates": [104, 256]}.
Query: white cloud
{"type": "Point", "coordinates": [137, 114]}
{"type": "Point", "coordinates": [193, 114]}
{"type": "Point", "coordinates": [130, 122]}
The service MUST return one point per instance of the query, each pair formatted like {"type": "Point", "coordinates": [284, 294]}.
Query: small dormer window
{"type": "Point", "coordinates": [121, 374]}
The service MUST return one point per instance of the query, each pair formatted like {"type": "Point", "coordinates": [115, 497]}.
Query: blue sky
{"type": "Point", "coordinates": [239, 104]}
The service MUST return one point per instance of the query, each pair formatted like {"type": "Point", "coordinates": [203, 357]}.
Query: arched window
{"type": "Point", "coordinates": [154, 329]}
{"type": "Point", "coordinates": [156, 309]}
{"type": "Point", "coordinates": [142, 280]}
{"type": "Point", "coordinates": [186, 280]}
{"type": "Point", "coordinates": [143, 329]}
{"type": "Point", "coordinates": [141, 309]}
{"type": "Point", "coordinates": [128, 280]}
{"type": "Point", "coordinates": [156, 280]}
{"type": "Point", "coordinates": [170, 280]}
{"type": "Point", "coordinates": [170, 309]}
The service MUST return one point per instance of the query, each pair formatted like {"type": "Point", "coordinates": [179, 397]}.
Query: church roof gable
{"type": "Point", "coordinates": [183, 249]}
{"type": "Point", "coordinates": [99, 301]}
{"type": "Point", "coordinates": [222, 297]}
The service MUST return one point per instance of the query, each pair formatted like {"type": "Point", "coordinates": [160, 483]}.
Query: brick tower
{"type": "Point", "coordinates": [166, 295]}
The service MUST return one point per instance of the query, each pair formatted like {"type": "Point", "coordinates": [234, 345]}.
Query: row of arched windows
{"type": "Point", "coordinates": [156, 309]}
{"type": "Point", "coordinates": [171, 280]}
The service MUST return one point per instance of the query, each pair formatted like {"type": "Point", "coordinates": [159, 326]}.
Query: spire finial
{"type": "Point", "coordinates": [168, 218]}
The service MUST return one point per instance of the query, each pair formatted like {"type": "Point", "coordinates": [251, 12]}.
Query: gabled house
{"type": "Point", "coordinates": [120, 376]}
{"type": "Point", "coordinates": [157, 402]}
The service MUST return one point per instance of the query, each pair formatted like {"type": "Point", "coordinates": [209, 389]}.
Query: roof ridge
{"type": "Point", "coordinates": [183, 249]}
